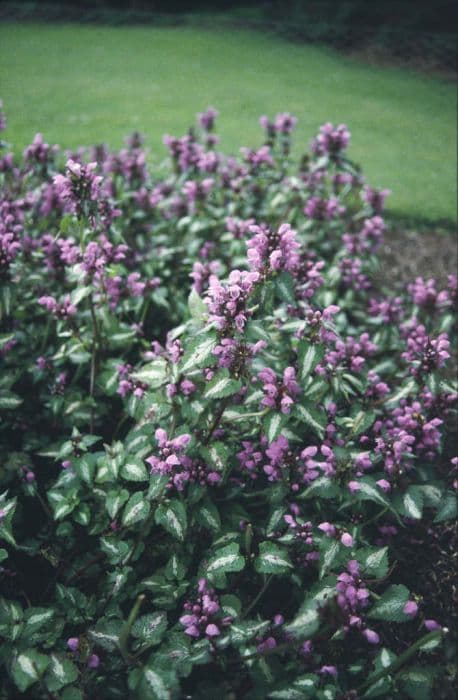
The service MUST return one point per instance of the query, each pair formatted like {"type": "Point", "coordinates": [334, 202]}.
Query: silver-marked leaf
{"type": "Point", "coordinates": [272, 425]}
{"type": "Point", "coordinates": [172, 517]}
{"type": "Point", "coordinates": [199, 352]}
{"type": "Point", "coordinates": [308, 356]}
{"type": "Point", "coordinates": [28, 667]}
{"type": "Point", "coordinates": [314, 418]}
{"type": "Point", "coordinates": [136, 510]}
{"type": "Point", "coordinates": [150, 628]}
{"type": "Point", "coordinates": [60, 673]}
{"type": "Point", "coordinates": [390, 606]}
{"type": "Point", "coordinates": [272, 559]}
{"type": "Point", "coordinates": [221, 385]}
{"type": "Point", "coordinates": [134, 470]}
{"type": "Point", "coordinates": [154, 374]}
{"type": "Point", "coordinates": [115, 500]}
{"type": "Point", "coordinates": [225, 560]}
{"type": "Point", "coordinates": [208, 515]}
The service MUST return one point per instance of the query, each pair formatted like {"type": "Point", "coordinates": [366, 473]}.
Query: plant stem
{"type": "Point", "coordinates": [124, 634]}
{"type": "Point", "coordinates": [258, 597]}
{"type": "Point", "coordinates": [216, 421]}
{"type": "Point", "coordinates": [400, 660]}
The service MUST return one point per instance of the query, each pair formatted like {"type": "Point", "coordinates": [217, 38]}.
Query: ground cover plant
{"type": "Point", "coordinates": [112, 80]}
{"type": "Point", "coordinates": [227, 450]}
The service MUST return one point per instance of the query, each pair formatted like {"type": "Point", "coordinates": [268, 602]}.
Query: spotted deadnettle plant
{"type": "Point", "coordinates": [228, 466]}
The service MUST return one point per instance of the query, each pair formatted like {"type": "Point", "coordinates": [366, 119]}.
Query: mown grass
{"type": "Point", "coordinates": [84, 84]}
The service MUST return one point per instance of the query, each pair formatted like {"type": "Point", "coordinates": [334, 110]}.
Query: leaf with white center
{"type": "Point", "coordinates": [157, 486]}
{"type": "Point", "coordinates": [115, 500]}
{"type": "Point", "coordinates": [242, 632]}
{"type": "Point", "coordinates": [85, 467]}
{"type": "Point", "coordinates": [200, 351]}
{"type": "Point", "coordinates": [197, 307]}
{"type": "Point", "coordinates": [154, 374]}
{"type": "Point", "coordinates": [412, 502]}
{"type": "Point", "coordinates": [28, 667]}
{"type": "Point", "coordinates": [156, 683]}
{"type": "Point", "coordinates": [369, 491]}
{"type": "Point", "coordinates": [9, 400]}
{"type": "Point", "coordinates": [134, 470]}
{"type": "Point", "coordinates": [172, 517]}
{"type": "Point", "coordinates": [308, 414]}
{"type": "Point", "coordinates": [306, 622]}
{"type": "Point", "coordinates": [35, 618]}
{"type": "Point", "coordinates": [391, 605]}
{"type": "Point", "coordinates": [6, 522]}
{"type": "Point", "coordinates": [106, 634]}
{"type": "Point", "coordinates": [60, 673]}
{"type": "Point", "coordinates": [323, 487]}
{"type": "Point", "coordinates": [60, 504]}
{"type": "Point", "coordinates": [308, 356]}
{"type": "Point", "coordinates": [136, 510]}
{"type": "Point", "coordinates": [374, 562]}
{"type": "Point", "coordinates": [208, 516]}
{"type": "Point", "coordinates": [272, 425]}
{"type": "Point", "coordinates": [150, 628]}
{"type": "Point", "coordinates": [284, 286]}
{"type": "Point", "coordinates": [448, 508]}
{"type": "Point", "coordinates": [217, 454]}
{"type": "Point", "coordinates": [225, 560]}
{"type": "Point", "coordinates": [272, 559]}
{"type": "Point", "coordinates": [329, 551]}
{"type": "Point", "coordinates": [222, 385]}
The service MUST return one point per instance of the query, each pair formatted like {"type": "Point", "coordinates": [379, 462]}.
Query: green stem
{"type": "Point", "coordinates": [258, 597]}
{"type": "Point", "coordinates": [399, 661]}
{"type": "Point", "coordinates": [124, 634]}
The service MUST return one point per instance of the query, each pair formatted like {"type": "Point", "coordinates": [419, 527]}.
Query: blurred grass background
{"type": "Point", "coordinates": [90, 84]}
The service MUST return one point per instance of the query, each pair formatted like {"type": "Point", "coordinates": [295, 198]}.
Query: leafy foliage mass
{"type": "Point", "coordinates": [220, 434]}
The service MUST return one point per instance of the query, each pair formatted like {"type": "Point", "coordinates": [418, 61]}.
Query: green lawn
{"type": "Point", "coordinates": [85, 84]}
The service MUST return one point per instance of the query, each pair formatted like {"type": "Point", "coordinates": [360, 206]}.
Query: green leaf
{"type": "Point", "coordinates": [284, 287]}
{"type": "Point", "coordinates": [317, 420]}
{"type": "Point", "coordinates": [35, 618]}
{"type": "Point", "coordinates": [222, 385]}
{"type": "Point", "coordinates": [369, 491]}
{"type": "Point", "coordinates": [6, 521]}
{"type": "Point", "coordinates": [272, 559]}
{"type": "Point", "coordinates": [323, 487]}
{"type": "Point", "coordinates": [306, 622]}
{"type": "Point", "coordinates": [308, 357]}
{"type": "Point", "coordinates": [362, 422]}
{"type": "Point", "coordinates": [329, 552]}
{"type": "Point", "coordinates": [417, 681]}
{"type": "Point", "coordinates": [9, 400]}
{"type": "Point", "coordinates": [150, 628]}
{"type": "Point", "coordinates": [448, 508]}
{"type": "Point", "coordinates": [412, 502]}
{"type": "Point", "coordinates": [85, 467]}
{"type": "Point", "coordinates": [241, 632]}
{"type": "Point", "coordinates": [272, 425]}
{"type": "Point", "coordinates": [154, 374]}
{"type": "Point", "coordinates": [172, 517]}
{"type": "Point", "coordinates": [197, 307]}
{"type": "Point", "coordinates": [115, 500]}
{"type": "Point", "coordinates": [374, 561]}
{"type": "Point", "coordinates": [28, 667]}
{"type": "Point", "coordinates": [136, 510]}
{"type": "Point", "coordinates": [199, 352]}
{"type": "Point", "coordinates": [225, 560]}
{"type": "Point", "coordinates": [60, 673]}
{"type": "Point", "coordinates": [208, 515]}
{"type": "Point", "coordinates": [390, 606]}
{"type": "Point", "coordinates": [156, 683]}
{"type": "Point", "coordinates": [134, 470]}
{"type": "Point", "coordinates": [157, 486]}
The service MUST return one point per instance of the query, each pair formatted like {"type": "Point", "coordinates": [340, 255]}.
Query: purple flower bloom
{"type": "Point", "coordinates": [410, 608]}
{"type": "Point", "coordinates": [73, 643]}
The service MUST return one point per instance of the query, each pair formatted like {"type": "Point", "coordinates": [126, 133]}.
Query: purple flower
{"type": "Point", "coordinates": [410, 608]}
{"type": "Point", "coordinates": [93, 661]}
{"type": "Point", "coordinates": [371, 636]}
{"type": "Point", "coordinates": [73, 643]}
{"type": "Point", "coordinates": [331, 140]}
{"type": "Point", "coordinates": [269, 251]}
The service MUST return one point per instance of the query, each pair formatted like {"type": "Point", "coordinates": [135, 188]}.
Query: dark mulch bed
{"type": "Point", "coordinates": [411, 252]}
